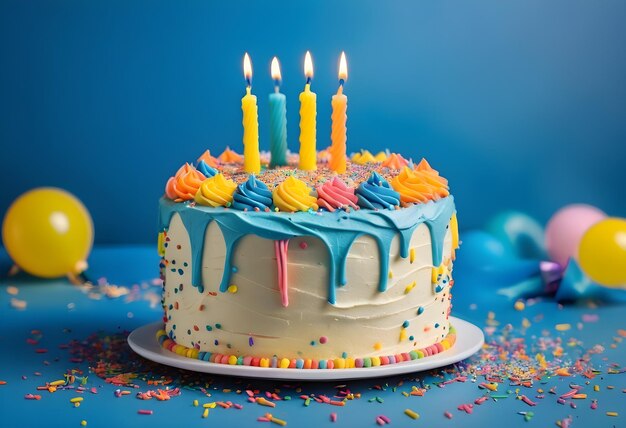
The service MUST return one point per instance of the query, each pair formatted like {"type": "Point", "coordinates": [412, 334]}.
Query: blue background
{"type": "Point", "coordinates": [521, 104]}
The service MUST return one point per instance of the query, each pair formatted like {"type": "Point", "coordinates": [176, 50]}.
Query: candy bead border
{"type": "Point", "coordinates": [305, 363]}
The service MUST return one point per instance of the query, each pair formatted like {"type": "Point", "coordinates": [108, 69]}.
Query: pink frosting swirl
{"type": "Point", "coordinates": [335, 194]}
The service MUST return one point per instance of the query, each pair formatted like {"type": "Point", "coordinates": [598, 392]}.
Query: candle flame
{"type": "Point", "coordinates": [308, 65]}
{"type": "Point", "coordinates": [247, 67]}
{"type": "Point", "coordinates": [275, 69]}
{"type": "Point", "coordinates": [343, 67]}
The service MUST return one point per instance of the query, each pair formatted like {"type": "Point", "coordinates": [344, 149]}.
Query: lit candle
{"type": "Point", "coordinates": [339, 117]}
{"type": "Point", "coordinates": [278, 120]}
{"type": "Point", "coordinates": [251, 156]}
{"type": "Point", "coordinates": [308, 107]}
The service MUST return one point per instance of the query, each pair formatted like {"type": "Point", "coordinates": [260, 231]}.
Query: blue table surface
{"type": "Point", "coordinates": [39, 317]}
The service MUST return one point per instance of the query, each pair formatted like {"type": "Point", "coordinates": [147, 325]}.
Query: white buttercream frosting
{"type": "Point", "coordinates": [249, 319]}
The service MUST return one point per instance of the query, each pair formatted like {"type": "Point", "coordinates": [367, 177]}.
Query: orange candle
{"type": "Point", "coordinates": [339, 118]}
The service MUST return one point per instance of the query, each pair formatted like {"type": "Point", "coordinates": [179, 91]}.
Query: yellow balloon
{"type": "Point", "coordinates": [48, 233]}
{"type": "Point", "coordinates": [602, 252]}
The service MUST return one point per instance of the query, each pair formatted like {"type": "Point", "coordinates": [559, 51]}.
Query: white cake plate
{"type": "Point", "coordinates": [469, 339]}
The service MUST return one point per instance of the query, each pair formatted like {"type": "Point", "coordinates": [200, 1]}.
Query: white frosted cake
{"type": "Point", "coordinates": [307, 270]}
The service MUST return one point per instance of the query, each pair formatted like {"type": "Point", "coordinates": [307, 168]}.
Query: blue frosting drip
{"type": "Point", "coordinates": [206, 169]}
{"type": "Point", "coordinates": [252, 194]}
{"type": "Point", "coordinates": [376, 193]}
{"type": "Point", "coordinates": [337, 230]}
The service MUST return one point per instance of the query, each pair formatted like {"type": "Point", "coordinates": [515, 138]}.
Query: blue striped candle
{"type": "Point", "coordinates": [278, 120]}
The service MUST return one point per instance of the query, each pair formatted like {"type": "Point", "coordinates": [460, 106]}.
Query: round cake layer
{"type": "Point", "coordinates": [317, 285]}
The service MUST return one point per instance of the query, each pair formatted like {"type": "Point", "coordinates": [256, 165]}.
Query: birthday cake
{"type": "Point", "coordinates": [307, 269]}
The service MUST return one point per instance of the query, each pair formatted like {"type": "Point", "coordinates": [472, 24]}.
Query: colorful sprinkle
{"type": "Point", "coordinates": [410, 287]}
{"type": "Point", "coordinates": [411, 414]}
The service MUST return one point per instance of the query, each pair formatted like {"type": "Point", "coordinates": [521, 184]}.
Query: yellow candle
{"type": "Point", "coordinates": [308, 113]}
{"type": "Point", "coordinates": [251, 156]}
{"type": "Point", "coordinates": [339, 117]}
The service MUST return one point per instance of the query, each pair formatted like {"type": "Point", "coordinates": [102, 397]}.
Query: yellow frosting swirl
{"type": "Point", "coordinates": [216, 191]}
{"type": "Point", "coordinates": [420, 185]}
{"type": "Point", "coordinates": [294, 195]}
{"type": "Point", "coordinates": [363, 158]}
{"type": "Point", "coordinates": [380, 157]}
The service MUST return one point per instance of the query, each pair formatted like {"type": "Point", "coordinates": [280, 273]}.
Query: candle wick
{"type": "Point", "coordinates": [308, 80]}
{"type": "Point", "coordinates": [276, 85]}
{"type": "Point", "coordinates": [249, 82]}
{"type": "Point", "coordinates": [341, 82]}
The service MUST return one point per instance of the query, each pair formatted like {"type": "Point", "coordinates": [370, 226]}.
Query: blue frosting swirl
{"type": "Point", "coordinates": [376, 193]}
{"type": "Point", "coordinates": [207, 170]}
{"type": "Point", "coordinates": [252, 194]}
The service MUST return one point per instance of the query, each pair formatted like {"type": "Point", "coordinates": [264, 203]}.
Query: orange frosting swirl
{"type": "Point", "coordinates": [184, 185]}
{"type": "Point", "coordinates": [395, 161]}
{"type": "Point", "coordinates": [433, 175]}
{"type": "Point", "coordinates": [230, 156]}
{"type": "Point", "coordinates": [216, 191]}
{"type": "Point", "coordinates": [209, 159]}
{"type": "Point", "coordinates": [420, 185]}
{"type": "Point", "coordinates": [294, 195]}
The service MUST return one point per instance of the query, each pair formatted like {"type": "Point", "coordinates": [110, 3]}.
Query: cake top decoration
{"type": "Point", "coordinates": [370, 182]}
{"type": "Point", "coordinates": [253, 195]}
{"type": "Point", "coordinates": [216, 191]}
{"type": "Point", "coordinates": [185, 183]}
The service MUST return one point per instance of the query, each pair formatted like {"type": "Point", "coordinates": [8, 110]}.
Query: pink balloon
{"type": "Point", "coordinates": [567, 227]}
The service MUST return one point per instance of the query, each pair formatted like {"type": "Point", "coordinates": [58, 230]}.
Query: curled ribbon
{"type": "Point", "coordinates": [516, 278]}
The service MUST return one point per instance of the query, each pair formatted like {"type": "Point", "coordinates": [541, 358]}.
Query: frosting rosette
{"type": "Point", "coordinates": [206, 170]}
{"type": "Point", "coordinates": [364, 157]}
{"type": "Point", "coordinates": [252, 195]}
{"type": "Point", "coordinates": [184, 185]}
{"type": "Point", "coordinates": [216, 191]}
{"type": "Point", "coordinates": [323, 156]}
{"type": "Point", "coordinates": [380, 157]}
{"type": "Point", "coordinates": [230, 156]}
{"type": "Point", "coordinates": [376, 193]}
{"type": "Point", "coordinates": [335, 194]}
{"type": "Point", "coordinates": [294, 195]}
{"type": "Point", "coordinates": [395, 161]}
{"type": "Point", "coordinates": [209, 159]}
{"type": "Point", "coordinates": [420, 185]}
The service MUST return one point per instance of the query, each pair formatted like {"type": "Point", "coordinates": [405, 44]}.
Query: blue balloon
{"type": "Point", "coordinates": [519, 233]}
{"type": "Point", "coordinates": [481, 249]}
{"type": "Point", "coordinates": [484, 257]}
